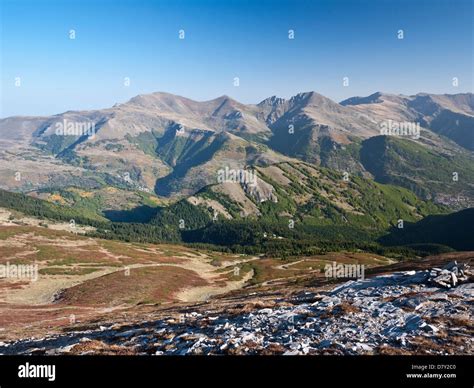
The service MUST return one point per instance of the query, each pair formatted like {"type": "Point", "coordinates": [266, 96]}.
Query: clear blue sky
{"type": "Point", "coordinates": [226, 39]}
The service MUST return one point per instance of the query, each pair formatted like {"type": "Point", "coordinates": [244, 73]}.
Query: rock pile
{"type": "Point", "coordinates": [450, 275]}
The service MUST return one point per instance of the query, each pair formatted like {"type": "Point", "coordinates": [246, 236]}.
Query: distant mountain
{"type": "Point", "coordinates": [450, 115]}
{"type": "Point", "coordinates": [426, 171]}
{"type": "Point", "coordinates": [454, 230]}
{"type": "Point", "coordinates": [174, 147]}
{"type": "Point", "coordinates": [311, 122]}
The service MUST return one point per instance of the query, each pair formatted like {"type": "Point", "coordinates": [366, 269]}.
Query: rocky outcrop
{"type": "Point", "coordinates": [260, 190]}
{"type": "Point", "coordinates": [451, 275]}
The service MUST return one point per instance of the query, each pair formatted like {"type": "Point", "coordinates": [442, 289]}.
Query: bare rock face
{"type": "Point", "coordinates": [451, 275]}
{"type": "Point", "coordinates": [260, 190]}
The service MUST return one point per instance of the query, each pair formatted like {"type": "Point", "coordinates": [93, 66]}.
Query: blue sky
{"type": "Point", "coordinates": [226, 39]}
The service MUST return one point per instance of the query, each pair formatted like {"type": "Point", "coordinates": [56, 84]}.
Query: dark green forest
{"type": "Point", "coordinates": [189, 224]}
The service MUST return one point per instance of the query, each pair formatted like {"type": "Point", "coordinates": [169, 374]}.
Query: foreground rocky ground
{"type": "Point", "coordinates": [421, 311]}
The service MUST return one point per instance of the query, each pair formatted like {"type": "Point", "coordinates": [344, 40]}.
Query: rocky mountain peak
{"type": "Point", "coordinates": [272, 101]}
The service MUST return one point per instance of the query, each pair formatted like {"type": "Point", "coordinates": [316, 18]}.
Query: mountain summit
{"type": "Point", "coordinates": [173, 145]}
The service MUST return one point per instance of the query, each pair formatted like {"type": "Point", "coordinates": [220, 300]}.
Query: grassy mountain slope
{"type": "Point", "coordinates": [420, 169]}
{"type": "Point", "coordinates": [44, 209]}
{"type": "Point", "coordinates": [306, 202]}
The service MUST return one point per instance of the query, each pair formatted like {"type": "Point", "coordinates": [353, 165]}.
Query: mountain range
{"type": "Point", "coordinates": [313, 158]}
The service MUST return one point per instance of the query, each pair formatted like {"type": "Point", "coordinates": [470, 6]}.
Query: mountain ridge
{"type": "Point", "coordinates": [174, 146]}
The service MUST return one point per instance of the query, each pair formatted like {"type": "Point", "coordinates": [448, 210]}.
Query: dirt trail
{"type": "Point", "coordinates": [200, 294]}
{"type": "Point", "coordinates": [286, 265]}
